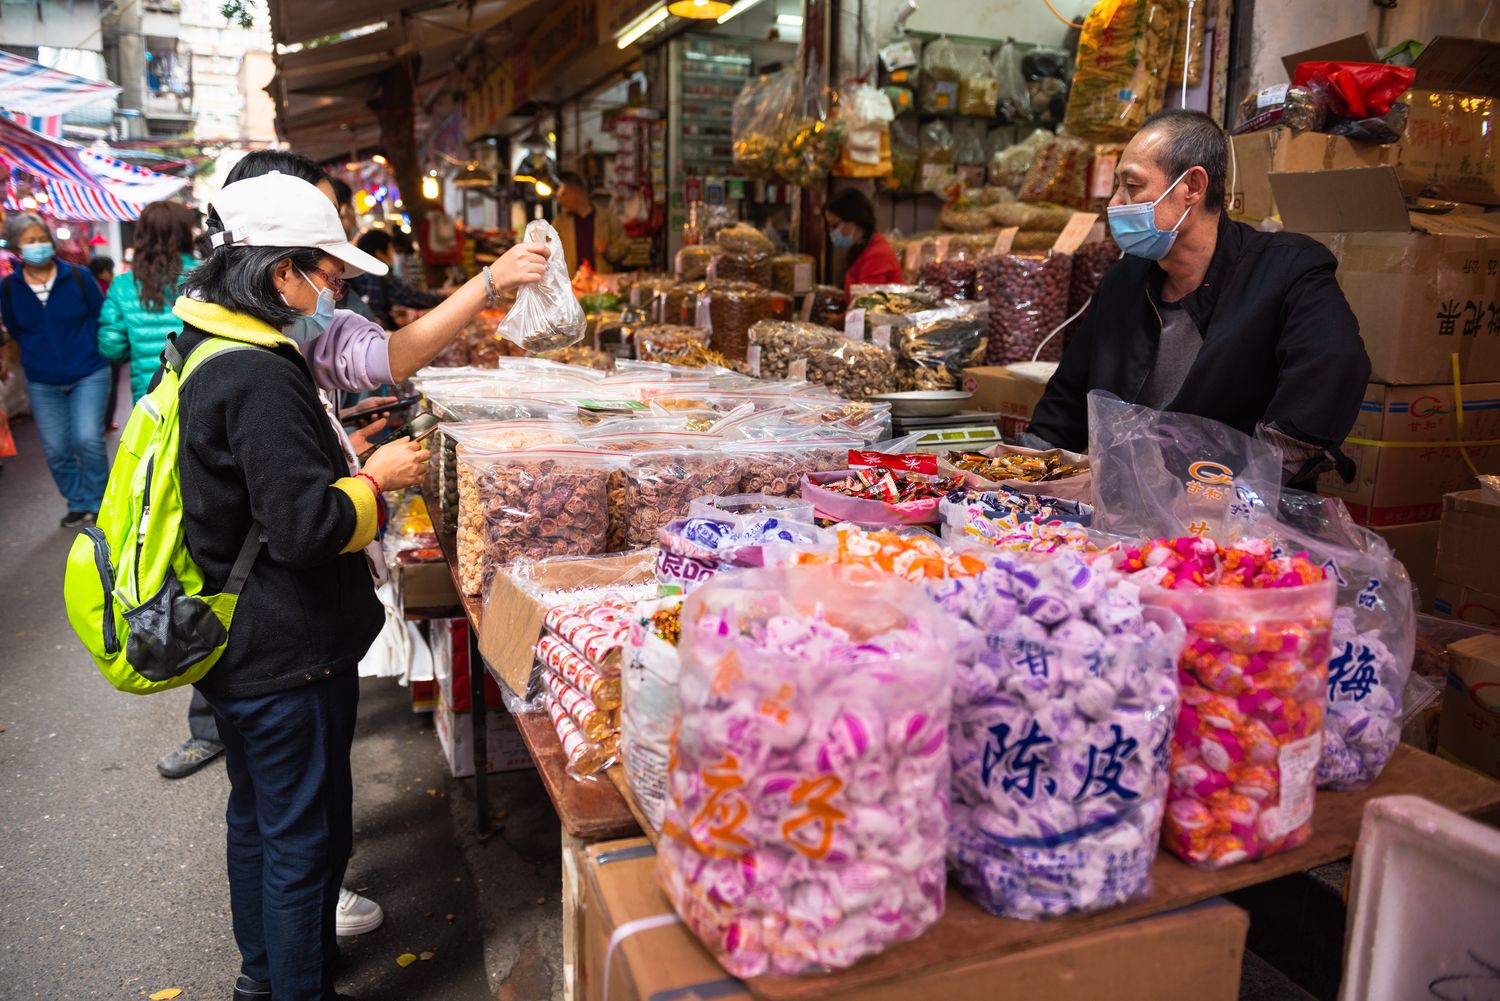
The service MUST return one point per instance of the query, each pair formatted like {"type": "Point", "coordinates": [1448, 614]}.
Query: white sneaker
{"type": "Point", "coordinates": [357, 915]}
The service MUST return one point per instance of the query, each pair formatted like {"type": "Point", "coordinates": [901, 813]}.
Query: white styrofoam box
{"type": "Point", "coordinates": [1424, 915]}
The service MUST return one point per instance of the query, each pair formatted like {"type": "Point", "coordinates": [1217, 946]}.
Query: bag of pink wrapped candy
{"type": "Point", "coordinates": [1253, 674]}
{"type": "Point", "coordinates": [807, 800]}
{"type": "Point", "coordinates": [1374, 635]}
{"type": "Point", "coordinates": [1065, 690]}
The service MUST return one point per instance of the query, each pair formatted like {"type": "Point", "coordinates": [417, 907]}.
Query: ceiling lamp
{"type": "Point", "coordinates": [699, 10]}
{"type": "Point", "coordinates": [473, 177]}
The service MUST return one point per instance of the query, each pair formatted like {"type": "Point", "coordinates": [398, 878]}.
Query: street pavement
{"type": "Point", "coordinates": [112, 880]}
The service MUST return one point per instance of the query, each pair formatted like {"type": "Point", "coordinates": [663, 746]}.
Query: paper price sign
{"type": "Point", "coordinates": [1004, 239]}
{"type": "Point", "coordinates": [854, 324]}
{"type": "Point", "coordinates": [807, 305]}
{"type": "Point", "coordinates": [752, 359]}
{"type": "Point", "coordinates": [882, 336]}
{"type": "Point", "coordinates": [943, 245]}
{"type": "Point", "coordinates": [1075, 232]}
{"type": "Point", "coordinates": [703, 319]}
{"type": "Point", "coordinates": [797, 369]}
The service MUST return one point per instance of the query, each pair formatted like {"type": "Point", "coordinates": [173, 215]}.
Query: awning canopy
{"type": "Point", "coordinates": [83, 179]}
{"type": "Point", "coordinates": [322, 92]}
{"type": "Point", "coordinates": [32, 89]}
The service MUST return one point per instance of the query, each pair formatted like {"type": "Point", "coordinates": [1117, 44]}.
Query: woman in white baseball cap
{"type": "Point", "coordinates": [258, 452]}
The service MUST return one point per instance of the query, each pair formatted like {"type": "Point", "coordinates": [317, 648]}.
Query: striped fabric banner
{"type": "Point", "coordinates": [70, 201]}
{"type": "Point", "coordinates": [33, 89]}
{"type": "Point", "coordinates": [84, 180]}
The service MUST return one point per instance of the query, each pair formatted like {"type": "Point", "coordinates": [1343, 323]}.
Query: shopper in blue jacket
{"type": "Point", "coordinates": [51, 308]}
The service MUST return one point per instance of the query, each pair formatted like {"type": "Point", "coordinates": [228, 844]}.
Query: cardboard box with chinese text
{"type": "Point", "coordinates": [1449, 149]}
{"type": "Point", "coordinates": [1187, 955]}
{"type": "Point", "coordinates": [1469, 731]}
{"type": "Point", "coordinates": [1423, 286]}
{"type": "Point", "coordinates": [1258, 154]}
{"type": "Point", "coordinates": [1468, 551]}
{"type": "Point", "coordinates": [1400, 444]}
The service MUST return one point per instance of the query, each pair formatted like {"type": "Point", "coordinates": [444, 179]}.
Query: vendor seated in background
{"type": "Point", "coordinates": [851, 226]}
{"type": "Point", "coordinates": [590, 234]}
{"type": "Point", "coordinates": [1207, 316]}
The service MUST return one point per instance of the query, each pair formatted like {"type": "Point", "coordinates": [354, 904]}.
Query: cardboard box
{"type": "Point", "coordinates": [449, 641]}
{"type": "Point", "coordinates": [1454, 601]}
{"type": "Point", "coordinates": [1468, 550]}
{"type": "Point", "coordinates": [1188, 955]}
{"type": "Point", "coordinates": [1449, 150]}
{"type": "Point", "coordinates": [1469, 732]}
{"type": "Point", "coordinates": [1258, 154]}
{"type": "Point", "coordinates": [1400, 478]}
{"type": "Point", "coordinates": [428, 586]}
{"type": "Point", "coordinates": [1423, 286]}
{"type": "Point", "coordinates": [506, 751]}
{"type": "Point", "coordinates": [513, 614]}
{"type": "Point", "coordinates": [999, 390]}
{"type": "Point", "coordinates": [1416, 547]}
{"type": "Point", "coordinates": [1354, 49]}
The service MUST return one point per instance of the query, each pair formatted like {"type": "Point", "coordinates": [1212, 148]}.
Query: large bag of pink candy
{"type": "Point", "coordinates": [1065, 691]}
{"type": "Point", "coordinates": [807, 800]}
{"type": "Point", "coordinates": [1374, 634]}
{"type": "Point", "coordinates": [1253, 674]}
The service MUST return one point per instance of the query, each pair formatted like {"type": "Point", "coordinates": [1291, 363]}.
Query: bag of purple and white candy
{"type": "Point", "coordinates": [807, 801]}
{"type": "Point", "coordinates": [1065, 695]}
{"type": "Point", "coordinates": [714, 538]}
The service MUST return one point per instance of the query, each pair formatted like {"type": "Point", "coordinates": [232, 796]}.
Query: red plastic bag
{"type": "Point", "coordinates": [1358, 90]}
{"type": "Point", "coordinates": [7, 442]}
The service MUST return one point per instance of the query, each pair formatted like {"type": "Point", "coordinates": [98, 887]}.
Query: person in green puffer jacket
{"type": "Point", "coordinates": [137, 315]}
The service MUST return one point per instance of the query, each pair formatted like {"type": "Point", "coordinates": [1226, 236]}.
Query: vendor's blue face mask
{"type": "Point", "coordinates": [306, 329]}
{"type": "Point", "coordinates": [1134, 227]}
{"type": "Point", "coordinates": [841, 239]}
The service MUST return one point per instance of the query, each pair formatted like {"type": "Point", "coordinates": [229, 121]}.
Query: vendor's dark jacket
{"type": "Point", "coordinates": [1280, 344]}
{"type": "Point", "coordinates": [257, 446]}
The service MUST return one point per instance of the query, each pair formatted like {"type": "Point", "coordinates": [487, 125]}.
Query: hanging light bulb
{"type": "Point", "coordinates": [543, 189]}
{"type": "Point", "coordinates": [431, 190]}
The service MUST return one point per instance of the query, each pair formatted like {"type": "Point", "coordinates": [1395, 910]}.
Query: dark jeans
{"type": "Point", "coordinates": [201, 721]}
{"type": "Point", "coordinates": [291, 828]}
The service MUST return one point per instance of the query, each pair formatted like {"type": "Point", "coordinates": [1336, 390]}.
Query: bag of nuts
{"type": "Point", "coordinates": [854, 369]}
{"type": "Point", "coordinates": [779, 343]}
{"type": "Point", "coordinates": [775, 467]}
{"type": "Point", "coordinates": [530, 504]}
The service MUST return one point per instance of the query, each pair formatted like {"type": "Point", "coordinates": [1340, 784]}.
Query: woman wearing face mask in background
{"type": "Point", "coordinates": [52, 308]}
{"type": "Point", "coordinates": [850, 217]}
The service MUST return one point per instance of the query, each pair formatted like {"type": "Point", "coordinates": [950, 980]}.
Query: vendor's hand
{"type": "Point", "coordinates": [360, 438]}
{"type": "Point", "coordinates": [523, 264]}
{"type": "Point", "coordinates": [398, 464]}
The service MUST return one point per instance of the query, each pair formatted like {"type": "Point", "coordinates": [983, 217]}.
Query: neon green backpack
{"type": "Point", "coordinates": [132, 591]}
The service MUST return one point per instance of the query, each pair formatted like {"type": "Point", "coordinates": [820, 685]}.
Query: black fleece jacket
{"type": "Point", "coordinates": [257, 446]}
{"type": "Point", "coordinates": [1280, 345]}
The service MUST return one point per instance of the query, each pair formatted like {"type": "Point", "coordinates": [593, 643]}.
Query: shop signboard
{"type": "Point", "coordinates": [502, 91]}
{"type": "Point", "coordinates": [566, 32]}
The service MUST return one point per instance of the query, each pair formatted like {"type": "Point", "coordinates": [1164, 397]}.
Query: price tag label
{"type": "Point", "coordinates": [1074, 233]}
{"type": "Point", "coordinates": [797, 369]}
{"type": "Point", "coordinates": [943, 244]}
{"type": "Point", "coordinates": [752, 359]}
{"type": "Point", "coordinates": [1004, 239]}
{"type": "Point", "coordinates": [711, 273]}
{"type": "Point", "coordinates": [802, 278]}
{"type": "Point", "coordinates": [807, 305]}
{"type": "Point", "coordinates": [703, 319]}
{"type": "Point", "coordinates": [854, 324]}
{"type": "Point", "coordinates": [913, 255]}
{"type": "Point", "coordinates": [881, 335]}
{"type": "Point", "coordinates": [1104, 174]}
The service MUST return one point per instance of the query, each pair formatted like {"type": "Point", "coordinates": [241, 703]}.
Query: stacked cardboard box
{"type": "Point", "coordinates": [1425, 287]}
{"type": "Point", "coordinates": [505, 751]}
{"type": "Point", "coordinates": [1469, 731]}
{"type": "Point", "coordinates": [1467, 570]}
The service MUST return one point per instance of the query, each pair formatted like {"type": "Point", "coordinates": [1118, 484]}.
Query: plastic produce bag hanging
{"type": "Point", "coordinates": [546, 315]}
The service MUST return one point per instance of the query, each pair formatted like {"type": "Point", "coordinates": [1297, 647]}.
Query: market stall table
{"type": "Point", "coordinates": [589, 811]}
{"type": "Point", "coordinates": [966, 934]}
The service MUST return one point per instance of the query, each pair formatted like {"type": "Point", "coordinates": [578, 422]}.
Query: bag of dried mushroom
{"type": "Point", "coordinates": [530, 504]}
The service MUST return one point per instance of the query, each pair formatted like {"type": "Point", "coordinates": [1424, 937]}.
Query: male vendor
{"type": "Point", "coordinates": [1207, 316]}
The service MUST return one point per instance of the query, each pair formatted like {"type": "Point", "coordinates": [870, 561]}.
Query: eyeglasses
{"type": "Point", "coordinates": [336, 286]}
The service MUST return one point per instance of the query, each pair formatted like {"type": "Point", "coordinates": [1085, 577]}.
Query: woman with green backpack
{"type": "Point", "coordinates": [137, 315]}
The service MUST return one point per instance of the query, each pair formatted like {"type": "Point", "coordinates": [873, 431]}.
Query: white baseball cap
{"type": "Point", "coordinates": [278, 210]}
